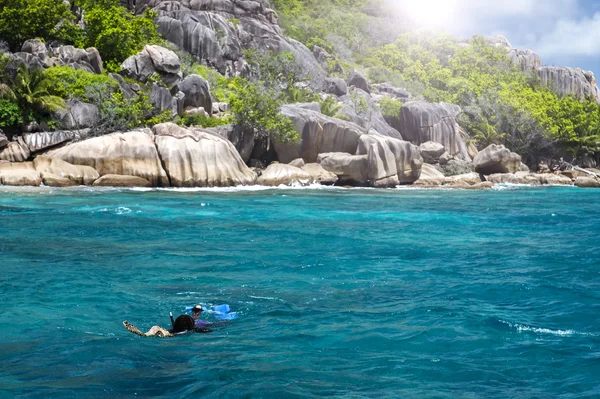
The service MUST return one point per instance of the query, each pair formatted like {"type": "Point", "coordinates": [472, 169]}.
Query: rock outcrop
{"type": "Point", "coordinates": [431, 151]}
{"type": "Point", "coordinates": [357, 80]}
{"type": "Point", "coordinates": [15, 151]}
{"type": "Point", "coordinates": [390, 161]}
{"type": "Point", "coordinates": [37, 142]}
{"type": "Point", "coordinates": [197, 158]}
{"type": "Point", "coordinates": [318, 174]}
{"type": "Point", "coordinates": [55, 167]}
{"type": "Point", "coordinates": [197, 93]}
{"type": "Point", "coordinates": [318, 134]}
{"type": "Point", "coordinates": [497, 159]}
{"type": "Point", "coordinates": [121, 181]}
{"type": "Point", "coordinates": [153, 59]}
{"type": "Point", "coordinates": [217, 32]}
{"type": "Point", "coordinates": [19, 174]}
{"type": "Point", "coordinates": [277, 174]}
{"type": "Point", "coordinates": [78, 115]}
{"type": "Point", "coordinates": [350, 169]}
{"type": "Point", "coordinates": [360, 108]}
{"type": "Point", "coordinates": [3, 140]}
{"type": "Point", "coordinates": [570, 81]}
{"type": "Point", "coordinates": [526, 59]}
{"type": "Point", "coordinates": [132, 153]}
{"type": "Point", "coordinates": [421, 122]}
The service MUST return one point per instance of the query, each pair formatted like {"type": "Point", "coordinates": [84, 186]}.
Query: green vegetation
{"type": "Point", "coordinates": [114, 31]}
{"type": "Point", "coordinates": [21, 20]}
{"type": "Point", "coordinates": [29, 92]}
{"type": "Point", "coordinates": [10, 115]}
{"type": "Point", "coordinates": [389, 107]}
{"type": "Point", "coordinates": [501, 104]}
{"type": "Point", "coordinates": [118, 34]}
{"type": "Point", "coordinates": [74, 83]}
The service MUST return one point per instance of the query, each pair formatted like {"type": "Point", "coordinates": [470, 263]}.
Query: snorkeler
{"type": "Point", "coordinates": [184, 323]}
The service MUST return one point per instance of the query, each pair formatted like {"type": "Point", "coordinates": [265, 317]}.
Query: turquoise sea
{"type": "Point", "coordinates": [340, 293]}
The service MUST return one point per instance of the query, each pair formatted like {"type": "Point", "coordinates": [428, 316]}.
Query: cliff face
{"type": "Point", "coordinates": [562, 80]}
{"type": "Point", "coordinates": [217, 31]}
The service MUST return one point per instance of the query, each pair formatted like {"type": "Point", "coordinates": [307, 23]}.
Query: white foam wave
{"type": "Point", "coordinates": [122, 210]}
{"type": "Point", "coordinates": [540, 330]}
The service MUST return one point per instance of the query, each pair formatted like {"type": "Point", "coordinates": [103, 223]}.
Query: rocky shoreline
{"type": "Point", "coordinates": [420, 144]}
{"type": "Point", "coordinates": [171, 156]}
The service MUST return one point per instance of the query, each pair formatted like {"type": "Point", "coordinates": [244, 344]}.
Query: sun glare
{"type": "Point", "coordinates": [429, 13]}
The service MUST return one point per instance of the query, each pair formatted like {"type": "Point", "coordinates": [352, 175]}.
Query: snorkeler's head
{"type": "Point", "coordinates": [197, 309]}
{"type": "Point", "coordinates": [183, 323]}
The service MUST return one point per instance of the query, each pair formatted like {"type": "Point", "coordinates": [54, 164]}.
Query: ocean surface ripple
{"type": "Point", "coordinates": [339, 293]}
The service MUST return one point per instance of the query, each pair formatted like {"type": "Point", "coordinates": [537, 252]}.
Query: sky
{"type": "Point", "coordinates": [562, 32]}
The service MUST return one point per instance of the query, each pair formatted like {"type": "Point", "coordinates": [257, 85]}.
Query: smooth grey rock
{"type": "Point", "coordinates": [202, 28]}
{"type": "Point", "coordinates": [126, 88]}
{"type": "Point", "coordinates": [527, 60]}
{"type": "Point", "coordinates": [421, 122]}
{"type": "Point", "coordinates": [430, 176]}
{"type": "Point", "coordinates": [281, 174]}
{"type": "Point", "coordinates": [52, 180]}
{"type": "Point", "coordinates": [444, 158]}
{"type": "Point", "coordinates": [360, 108]}
{"type": "Point", "coordinates": [298, 163]}
{"type": "Point", "coordinates": [95, 60]}
{"type": "Point", "coordinates": [132, 153]}
{"type": "Point", "coordinates": [77, 58]}
{"type": "Point", "coordinates": [138, 67]}
{"type": "Point", "coordinates": [552, 179]}
{"type": "Point", "coordinates": [504, 178]}
{"type": "Point", "coordinates": [499, 41]}
{"type": "Point", "coordinates": [320, 175]}
{"type": "Point", "coordinates": [19, 174]}
{"type": "Point", "coordinates": [357, 80]}
{"type": "Point", "coordinates": [197, 92]}
{"type": "Point", "coordinates": [78, 115]}
{"type": "Point", "coordinates": [15, 151]}
{"type": "Point", "coordinates": [455, 167]}
{"type": "Point", "coordinates": [35, 47]}
{"type": "Point", "coordinates": [78, 174]}
{"type": "Point", "coordinates": [431, 151]}
{"type": "Point", "coordinates": [196, 158]}
{"type": "Point", "coordinates": [196, 111]}
{"type": "Point", "coordinates": [164, 60]}
{"type": "Point", "coordinates": [587, 161]}
{"type": "Point", "coordinates": [3, 140]}
{"type": "Point", "coordinates": [570, 81]}
{"type": "Point", "coordinates": [37, 142]}
{"type": "Point", "coordinates": [243, 141]}
{"type": "Point", "coordinates": [497, 159]}
{"type": "Point", "coordinates": [318, 134]}
{"type": "Point", "coordinates": [336, 86]}
{"type": "Point", "coordinates": [587, 182]}
{"type": "Point", "coordinates": [351, 169]}
{"type": "Point", "coordinates": [162, 100]}
{"type": "Point", "coordinates": [32, 62]}
{"type": "Point", "coordinates": [220, 107]}
{"type": "Point", "coordinates": [466, 178]}
{"type": "Point", "coordinates": [121, 181]}
{"type": "Point", "coordinates": [390, 161]}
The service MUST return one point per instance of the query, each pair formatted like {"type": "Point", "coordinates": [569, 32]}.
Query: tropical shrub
{"type": "Point", "coordinates": [68, 82]}
{"type": "Point", "coordinates": [10, 115]}
{"type": "Point", "coordinates": [21, 20]}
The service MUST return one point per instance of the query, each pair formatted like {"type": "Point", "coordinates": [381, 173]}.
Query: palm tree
{"type": "Point", "coordinates": [29, 89]}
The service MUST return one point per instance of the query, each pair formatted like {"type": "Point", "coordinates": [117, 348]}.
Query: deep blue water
{"type": "Point", "coordinates": [340, 293]}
